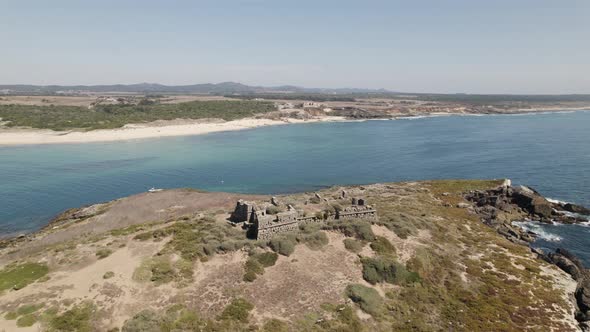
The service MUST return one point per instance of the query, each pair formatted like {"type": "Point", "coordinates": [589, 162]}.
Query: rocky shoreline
{"type": "Point", "coordinates": [499, 207]}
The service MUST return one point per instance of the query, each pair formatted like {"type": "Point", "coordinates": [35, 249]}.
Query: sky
{"type": "Point", "coordinates": [439, 46]}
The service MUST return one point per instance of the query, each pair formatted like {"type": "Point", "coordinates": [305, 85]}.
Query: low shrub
{"type": "Point", "coordinates": [315, 240]}
{"type": "Point", "coordinates": [255, 265]}
{"type": "Point", "coordinates": [28, 308]}
{"type": "Point", "coordinates": [103, 253]}
{"type": "Point", "coordinates": [353, 245]}
{"type": "Point", "coordinates": [382, 246]}
{"type": "Point", "coordinates": [11, 315]}
{"type": "Point", "coordinates": [275, 325]}
{"type": "Point", "coordinates": [252, 268]}
{"type": "Point", "coordinates": [146, 320]}
{"type": "Point", "coordinates": [383, 269]}
{"type": "Point", "coordinates": [26, 320]}
{"type": "Point", "coordinates": [108, 275]}
{"type": "Point", "coordinates": [238, 310]}
{"type": "Point", "coordinates": [19, 276]}
{"type": "Point", "coordinates": [76, 319]}
{"type": "Point", "coordinates": [267, 259]}
{"type": "Point", "coordinates": [368, 298]}
{"type": "Point", "coordinates": [358, 229]}
{"type": "Point", "coordinates": [162, 272]}
{"type": "Point", "coordinates": [282, 245]}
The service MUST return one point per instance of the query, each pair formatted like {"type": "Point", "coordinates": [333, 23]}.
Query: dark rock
{"type": "Point", "coordinates": [541, 254]}
{"type": "Point", "coordinates": [571, 257]}
{"type": "Point", "coordinates": [576, 209]}
{"type": "Point", "coordinates": [566, 265]}
{"type": "Point", "coordinates": [583, 295]}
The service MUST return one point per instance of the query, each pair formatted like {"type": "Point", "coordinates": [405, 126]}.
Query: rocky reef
{"type": "Point", "coordinates": [500, 206]}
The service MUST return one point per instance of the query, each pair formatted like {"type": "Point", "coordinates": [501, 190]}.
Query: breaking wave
{"type": "Point", "coordinates": [537, 228]}
{"type": "Point", "coordinates": [556, 201]}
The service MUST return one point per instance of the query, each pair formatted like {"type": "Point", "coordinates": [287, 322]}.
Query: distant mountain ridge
{"type": "Point", "coordinates": [205, 88]}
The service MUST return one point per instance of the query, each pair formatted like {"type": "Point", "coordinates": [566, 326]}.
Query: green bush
{"type": "Point", "coordinates": [28, 308]}
{"type": "Point", "coordinates": [26, 320]}
{"type": "Point", "coordinates": [382, 269]}
{"type": "Point", "coordinates": [252, 268]}
{"type": "Point", "coordinates": [103, 253]}
{"type": "Point", "coordinates": [162, 271]}
{"type": "Point", "coordinates": [256, 263]}
{"type": "Point", "coordinates": [77, 319]}
{"type": "Point", "coordinates": [275, 325]}
{"type": "Point", "coordinates": [115, 116]}
{"type": "Point", "coordinates": [358, 229]}
{"type": "Point", "coordinates": [353, 245]}
{"type": "Point", "coordinates": [382, 246]}
{"type": "Point", "coordinates": [368, 298]}
{"type": "Point", "coordinates": [19, 276]}
{"type": "Point", "coordinates": [314, 241]}
{"type": "Point", "coordinates": [267, 259]}
{"type": "Point", "coordinates": [144, 321]}
{"type": "Point", "coordinates": [108, 275]}
{"type": "Point", "coordinates": [238, 310]}
{"type": "Point", "coordinates": [283, 245]}
{"type": "Point", "coordinates": [11, 315]}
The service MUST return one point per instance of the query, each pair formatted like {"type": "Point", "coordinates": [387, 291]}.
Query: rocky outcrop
{"type": "Point", "coordinates": [519, 202]}
{"type": "Point", "coordinates": [575, 208]}
{"type": "Point", "coordinates": [569, 263]}
{"type": "Point", "coordinates": [498, 207]}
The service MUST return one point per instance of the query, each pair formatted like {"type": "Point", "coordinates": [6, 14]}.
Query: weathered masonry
{"type": "Point", "coordinates": [267, 225]}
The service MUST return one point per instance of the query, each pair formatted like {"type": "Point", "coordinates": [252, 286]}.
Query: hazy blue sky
{"type": "Point", "coordinates": [476, 46]}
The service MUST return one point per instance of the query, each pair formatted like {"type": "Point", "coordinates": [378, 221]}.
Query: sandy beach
{"type": "Point", "coordinates": [140, 131]}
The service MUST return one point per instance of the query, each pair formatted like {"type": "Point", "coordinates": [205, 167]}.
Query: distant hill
{"type": "Point", "coordinates": [206, 88]}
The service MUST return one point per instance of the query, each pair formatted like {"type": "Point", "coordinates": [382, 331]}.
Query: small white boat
{"type": "Point", "coordinates": [155, 190]}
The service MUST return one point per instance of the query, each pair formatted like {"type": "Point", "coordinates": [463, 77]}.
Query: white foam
{"type": "Point", "coordinates": [556, 201]}
{"type": "Point", "coordinates": [537, 228]}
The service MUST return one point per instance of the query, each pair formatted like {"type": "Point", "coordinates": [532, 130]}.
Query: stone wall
{"type": "Point", "coordinates": [268, 232]}
{"type": "Point", "coordinates": [242, 211]}
{"type": "Point", "coordinates": [267, 226]}
{"type": "Point", "coordinates": [357, 212]}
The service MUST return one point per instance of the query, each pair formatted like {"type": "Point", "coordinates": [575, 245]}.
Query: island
{"type": "Point", "coordinates": [411, 256]}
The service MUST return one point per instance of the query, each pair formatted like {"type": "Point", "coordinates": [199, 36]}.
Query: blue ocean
{"type": "Point", "coordinates": [549, 152]}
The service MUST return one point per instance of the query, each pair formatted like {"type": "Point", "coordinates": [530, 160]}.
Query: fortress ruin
{"type": "Point", "coordinates": [266, 225]}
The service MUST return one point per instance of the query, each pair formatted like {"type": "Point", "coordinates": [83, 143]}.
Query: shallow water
{"type": "Point", "coordinates": [550, 152]}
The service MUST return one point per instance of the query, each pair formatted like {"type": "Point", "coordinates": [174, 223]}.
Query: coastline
{"type": "Point", "coordinates": [14, 137]}
{"type": "Point", "coordinates": [119, 226]}
{"type": "Point", "coordinates": [187, 127]}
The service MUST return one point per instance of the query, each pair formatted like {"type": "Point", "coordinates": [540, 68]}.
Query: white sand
{"type": "Point", "coordinates": [139, 131]}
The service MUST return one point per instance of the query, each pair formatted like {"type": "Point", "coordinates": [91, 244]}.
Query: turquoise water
{"type": "Point", "coordinates": [550, 152]}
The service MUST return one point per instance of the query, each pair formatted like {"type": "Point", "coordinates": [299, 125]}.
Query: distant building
{"type": "Point", "coordinates": [312, 105]}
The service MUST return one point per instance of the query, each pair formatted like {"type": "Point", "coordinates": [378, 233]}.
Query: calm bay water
{"type": "Point", "coordinates": [550, 152]}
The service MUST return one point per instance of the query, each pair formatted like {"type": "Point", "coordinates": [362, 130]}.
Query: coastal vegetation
{"type": "Point", "coordinates": [116, 116]}
{"type": "Point", "coordinates": [17, 276]}
{"type": "Point", "coordinates": [425, 264]}
{"type": "Point", "coordinates": [368, 298]}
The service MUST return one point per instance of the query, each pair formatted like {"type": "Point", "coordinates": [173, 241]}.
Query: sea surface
{"type": "Point", "coordinates": [549, 152]}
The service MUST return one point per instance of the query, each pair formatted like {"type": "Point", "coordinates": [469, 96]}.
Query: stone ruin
{"type": "Point", "coordinates": [265, 225]}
